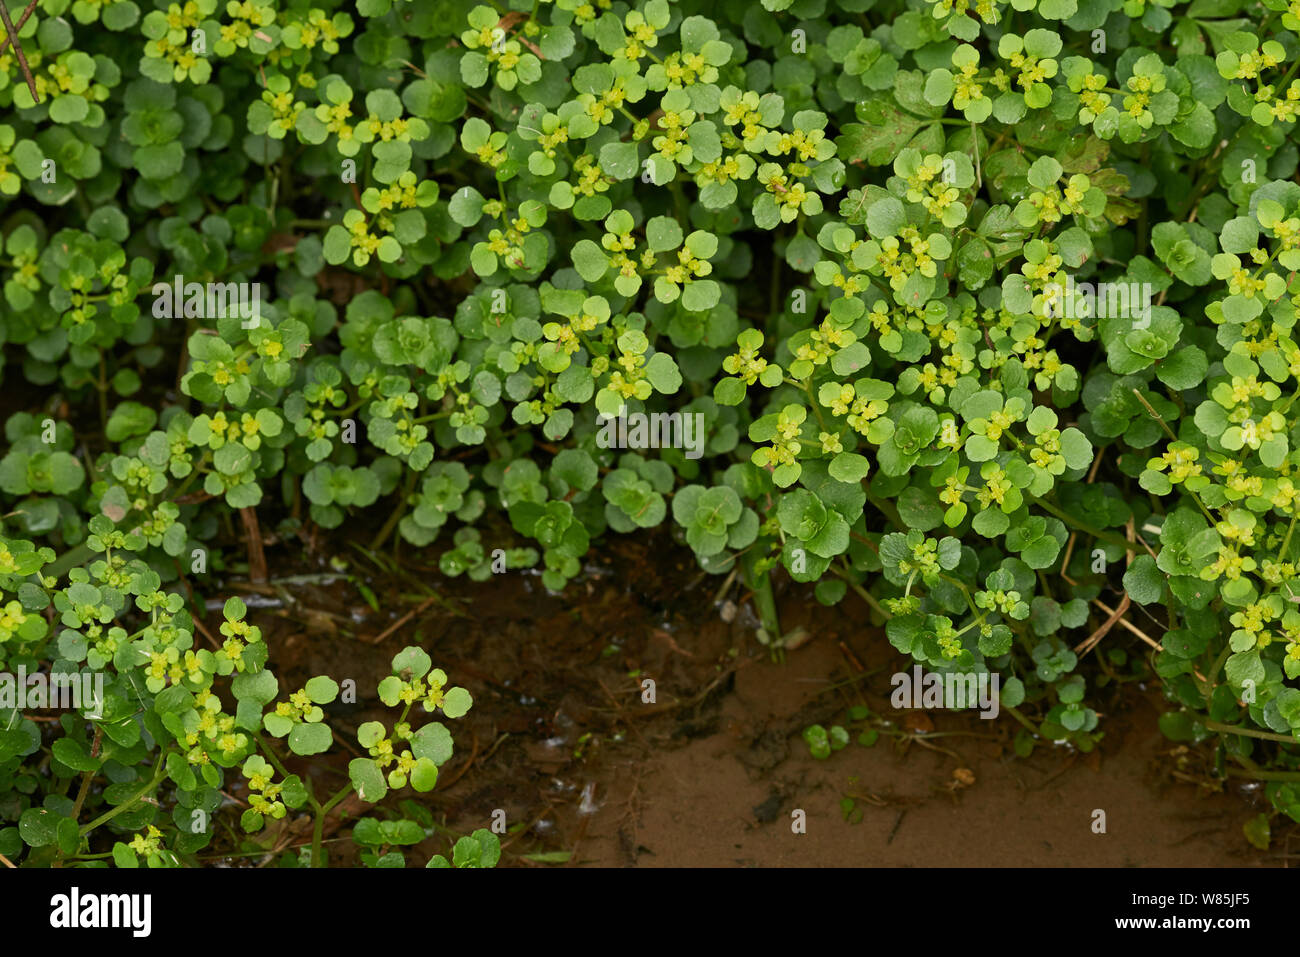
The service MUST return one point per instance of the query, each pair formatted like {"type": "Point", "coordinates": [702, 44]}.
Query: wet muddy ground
{"type": "Point", "coordinates": [713, 771]}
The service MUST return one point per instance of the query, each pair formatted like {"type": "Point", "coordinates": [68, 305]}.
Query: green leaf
{"type": "Point", "coordinates": [38, 827]}
{"type": "Point", "coordinates": [412, 660]}
{"type": "Point", "coordinates": [886, 218]}
{"type": "Point", "coordinates": [849, 467]}
{"type": "Point", "coordinates": [1044, 172]}
{"type": "Point", "coordinates": [1076, 448]}
{"type": "Point", "coordinates": [261, 687]}
{"type": "Point", "coordinates": [480, 849]}
{"type": "Point", "coordinates": [1184, 369]}
{"type": "Point", "coordinates": [591, 263]}
{"type": "Point", "coordinates": [74, 755]}
{"type": "Point", "coordinates": [663, 374]}
{"type": "Point", "coordinates": [432, 741]}
{"type": "Point", "coordinates": [620, 160]}
{"type": "Point", "coordinates": [1143, 581]}
{"type": "Point", "coordinates": [663, 233]}
{"type": "Point", "coordinates": [368, 779]}
{"type": "Point", "coordinates": [465, 207]}
{"type": "Point", "coordinates": [456, 703]}
{"type": "Point", "coordinates": [424, 776]}
{"type": "Point", "coordinates": [310, 738]}
{"type": "Point", "coordinates": [321, 689]}
{"type": "Point", "coordinates": [1239, 235]}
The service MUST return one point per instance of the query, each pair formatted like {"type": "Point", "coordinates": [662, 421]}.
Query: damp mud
{"type": "Point", "coordinates": [635, 721]}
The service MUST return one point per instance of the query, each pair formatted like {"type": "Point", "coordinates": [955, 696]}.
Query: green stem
{"type": "Point", "coordinates": [1170, 432]}
{"type": "Point", "coordinates": [774, 291]}
{"type": "Point", "coordinates": [1286, 542]}
{"type": "Point", "coordinates": [87, 776]}
{"type": "Point", "coordinates": [1253, 770]}
{"type": "Point", "coordinates": [1213, 677]}
{"type": "Point", "coordinates": [865, 595]}
{"type": "Point", "coordinates": [1248, 732]}
{"type": "Point", "coordinates": [102, 387]}
{"type": "Point", "coordinates": [396, 515]}
{"type": "Point", "coordinates": [318, 827]}
{"type": "Point", "coordinates": [1264, 775]}
{"type": "Point", "coordinates": [68, 560]}
{"type": "Point", "coordinates": [284, 773]}
{"type": "Point", "coordinates": [1029, 725]}
{"type": "Point", "coordinates": [760, 583]}
{"type": "Point", "coordinates": [1074, 523]}
{"type": "Point", "coordinates": [126, 805]}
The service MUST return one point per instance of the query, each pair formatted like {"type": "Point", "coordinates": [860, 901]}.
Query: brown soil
{"type": "Point", "coordinates": [709, 774]}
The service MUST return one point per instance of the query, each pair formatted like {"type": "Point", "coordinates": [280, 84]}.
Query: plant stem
{"type": "Point", "coordinates": [102, 387]}
{"type": "Point", "coordinates": [396, 516]}
{"type": "Point", "coordinates": [1170, 432]}
{"type": "Point", "coordinates": [87, 776]}
{"type": "Point", "coordinates": [1286, 542]}
{"type": "Point", "coordinates": [1213, 676]}
{"type": "Point", "coordinates": [1248, 732]}
{"type": "Point", "coordinates": [127, 804]}
{"type": "Point", "coordinates": [760, 583]}
{"type": "Point", "coordinates": [318, 827]}
{"type": "Point", "coordinates": [1029, 725]}
{"type": "Point", "coordinates": [1073, 522]}
{"type": "Point", "coordinates": [275, 761]}
{"type": "Point", "coordinates": [1264, 775]}
{"type": "Point", "coordinates": [1253, 770]}
{"type": "Point", "coordinates": [865, 595]}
